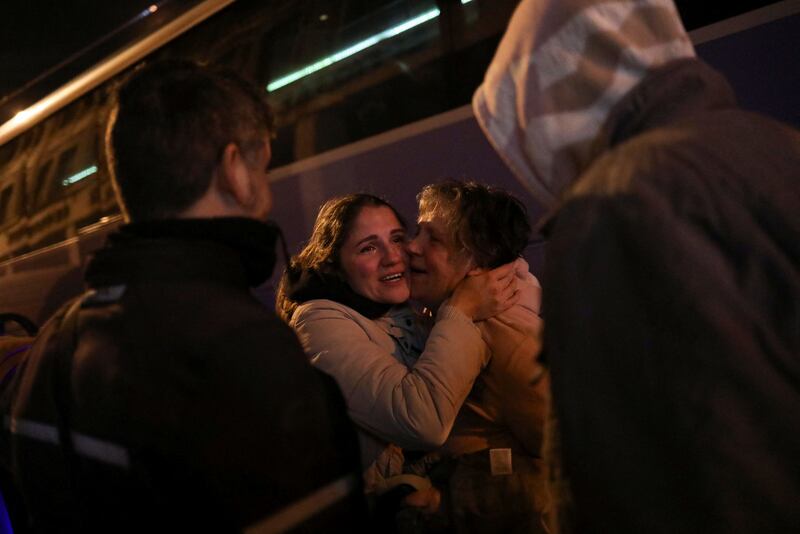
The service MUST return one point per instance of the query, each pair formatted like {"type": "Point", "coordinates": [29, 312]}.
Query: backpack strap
{"type": "Point", "coordinates": [66, 343]}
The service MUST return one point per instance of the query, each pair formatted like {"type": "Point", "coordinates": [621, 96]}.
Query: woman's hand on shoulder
{"type": "Point", "coordinates": [485, 293]}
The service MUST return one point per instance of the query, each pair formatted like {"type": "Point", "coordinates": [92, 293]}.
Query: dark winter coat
{"type": "Point", "coordinates": [672, 309]}
{"type": "Point", "coordinates": [190, 406]}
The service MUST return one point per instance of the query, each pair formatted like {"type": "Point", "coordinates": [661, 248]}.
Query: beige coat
{"type": "Point", "coordinates": [510, 399]}
{"type": "Point", "coordinates": [396, 392]}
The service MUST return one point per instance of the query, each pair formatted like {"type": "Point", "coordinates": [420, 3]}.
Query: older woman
{"type": "Point", "coordinates": [498, 484]}
{"type": "Point", "coordinates": [345, 295]}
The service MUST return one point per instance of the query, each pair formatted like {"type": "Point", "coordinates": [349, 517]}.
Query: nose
{"type": "Point", "coordinates": [412, 246]}
{"type": "Point", "coordinates": [394, 254]}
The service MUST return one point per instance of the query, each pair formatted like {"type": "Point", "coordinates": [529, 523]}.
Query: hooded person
{"type": "Point", "coordinates": [671, 287]}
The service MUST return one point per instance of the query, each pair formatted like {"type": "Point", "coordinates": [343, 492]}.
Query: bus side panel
{"type": "Point", "coordinates": [762, 65]}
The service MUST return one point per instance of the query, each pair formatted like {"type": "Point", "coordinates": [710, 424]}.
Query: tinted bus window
{"type": "Point", "coordinates": [5, 204]}
{"type": "Point", "coordinates": [382, 66]}
{"type": "Point", "coordinates": [337, 72]}
{"type": "Point", "coordinates": [41, 186]}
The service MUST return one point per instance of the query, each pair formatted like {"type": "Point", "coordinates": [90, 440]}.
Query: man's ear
{"type": "Point", "coordinates": [472, 269]}
{"type": "Point", "coordinates": [233, 176]}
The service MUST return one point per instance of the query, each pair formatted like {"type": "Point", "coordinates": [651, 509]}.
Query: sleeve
{"type": "Point", "coordinates": [516, 381]}
{"type": "Point", "coordinates": [525, 396]}
{"type": "Point", "coordinates": [414, 408]}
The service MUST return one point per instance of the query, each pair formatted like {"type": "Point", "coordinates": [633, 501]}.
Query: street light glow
{"type": "Point", "coordinates": [351, 50]}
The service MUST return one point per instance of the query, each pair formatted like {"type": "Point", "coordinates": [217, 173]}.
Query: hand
{"type": "Point", "coordinates": [484, 294]}
{"type": "Point", "coordinates": [428, 500]}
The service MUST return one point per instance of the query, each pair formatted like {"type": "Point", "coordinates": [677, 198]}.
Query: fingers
{"type": "Point", "coordinates": [505, 289]}
{"type": "Point", "coordinates": [510, 282]}
{"type": "Point", "coordinates": [504, 271]}
{"type": "Point", "coordinates": [514, 299]}
{"type": "Point", "coordinates": [484, 294]}
{"type": "Point", "coordinates": [507, 298]}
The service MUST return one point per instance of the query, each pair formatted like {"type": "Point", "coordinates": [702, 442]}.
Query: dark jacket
{"type": "Point", "coordinates": [190, 406]}
{"type": "Point", "coordinates": [672, 309]}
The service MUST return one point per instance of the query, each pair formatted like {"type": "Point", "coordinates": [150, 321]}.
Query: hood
{"type": "Point", "coordinates": [559, 70]}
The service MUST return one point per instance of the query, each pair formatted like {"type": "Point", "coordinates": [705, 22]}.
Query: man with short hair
{"type": "Point", "coordinates": [498, 482]}
{"type": "Point", "coordinates": [167, 397]}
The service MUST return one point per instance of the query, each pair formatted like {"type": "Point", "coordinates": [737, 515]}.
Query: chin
{"type": "Point", "coordinates": [419, 295]}
{"type": "Point", "coordinates": [395, 298]}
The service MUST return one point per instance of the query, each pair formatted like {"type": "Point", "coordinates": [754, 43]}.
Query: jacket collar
{"type": "Point", "coordinates": [303, 285]}
{"type": "Point", "coordinates": [237, 250]}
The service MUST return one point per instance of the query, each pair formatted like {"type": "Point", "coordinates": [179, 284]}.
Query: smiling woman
{"type": "Point", "coordinates": [373, 256]}
{"type": "Point", "coordinates": [343, 256]}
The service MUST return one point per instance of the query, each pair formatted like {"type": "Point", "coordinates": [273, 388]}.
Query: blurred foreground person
{"type": "Point", "coordinates": [672, 284]}
{"type": "Point", "coordinates": [497, 482]}
{"type": "Point", "coordinates": [166, 398]}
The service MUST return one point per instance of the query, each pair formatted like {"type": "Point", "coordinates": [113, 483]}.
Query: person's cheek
{"type": "Point", "coordinates": [367, 271]}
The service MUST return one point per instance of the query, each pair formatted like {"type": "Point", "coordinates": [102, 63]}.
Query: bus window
{"type": "Point", "coordinates": [65, 165]}
{"type": "Point", "coordinates": [5, 204]}
{"type": "Point", "coordinates": [41, 184]}
{"type": "Point", "coordinates": [339, 73]}
{"type": "Point", "coordinates": [64, 169]}
{"type": "Point", "coordinates": [7, 151]}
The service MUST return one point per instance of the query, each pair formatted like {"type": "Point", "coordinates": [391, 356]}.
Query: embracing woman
{"type": "Point", "coordinates": [346, 293]}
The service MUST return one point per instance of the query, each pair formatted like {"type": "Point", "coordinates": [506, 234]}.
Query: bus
{"type": "Point", "coordinates": [368, 96]}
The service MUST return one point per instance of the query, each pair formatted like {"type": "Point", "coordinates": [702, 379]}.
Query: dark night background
{"type": "Point", "coordinates": [37, 36]}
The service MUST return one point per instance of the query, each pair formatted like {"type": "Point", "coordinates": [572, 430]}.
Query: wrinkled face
{"type": "Point", "coordinates": [373, 256]}
{"type": "Point", "coordinates": [437, 266]}
{"type": "Point", "coordinates": [257, 163]}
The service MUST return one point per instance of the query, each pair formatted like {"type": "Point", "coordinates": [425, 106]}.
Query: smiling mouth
{"type": "Point", "coordinates": [392, 277]}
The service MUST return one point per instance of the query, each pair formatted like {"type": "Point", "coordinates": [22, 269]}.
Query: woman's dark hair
{"type": "Point", "coordinates": [486, 222]}
{"type": "Point", "coordinates": [331, 229]}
